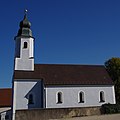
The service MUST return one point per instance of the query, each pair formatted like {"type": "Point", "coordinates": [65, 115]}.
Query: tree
{"type": "Point", "coordinates": [113, 68]}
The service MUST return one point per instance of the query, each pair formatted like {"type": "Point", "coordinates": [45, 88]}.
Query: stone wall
{"type": "Point", "coordinates": [56, 113]}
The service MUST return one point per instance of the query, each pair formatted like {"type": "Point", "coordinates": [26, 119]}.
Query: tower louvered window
{"type": "Point", "coordinates": [25, 45]}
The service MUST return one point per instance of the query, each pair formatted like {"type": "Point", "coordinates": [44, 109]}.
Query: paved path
{"type": "Point", "coordinates": [101, 117]}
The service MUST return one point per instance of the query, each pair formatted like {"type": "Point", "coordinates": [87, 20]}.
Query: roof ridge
{"type": "Point", "coordinates": [5, 88]}
{"type": "Point", "coordinates": [69, 64]}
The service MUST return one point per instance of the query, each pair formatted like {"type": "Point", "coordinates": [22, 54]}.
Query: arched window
{"type": "Point", "coordinates": [25, 45]}
{"type": "Point", "coordinates": [102, 96]}
{"type": "Point", "coordinates": [59, 97]}
{"type": "Point", "coordinates": [81, 97]}
{"type": "Point", "coordinates": [31, 100]}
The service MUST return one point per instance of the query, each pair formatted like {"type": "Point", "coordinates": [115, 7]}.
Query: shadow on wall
{"type": "Point", "coordinates": [35, 96]}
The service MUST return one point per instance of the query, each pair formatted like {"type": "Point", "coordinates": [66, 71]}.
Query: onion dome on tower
{"type": "Point", "coordinates": [25, 25]}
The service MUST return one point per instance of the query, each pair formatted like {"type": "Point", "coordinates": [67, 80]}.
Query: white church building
{"type": "Point", "coordinates": [55, 85]}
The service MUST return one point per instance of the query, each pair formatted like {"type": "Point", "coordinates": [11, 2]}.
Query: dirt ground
{"type": "Point", "coordinates": [101, 117]}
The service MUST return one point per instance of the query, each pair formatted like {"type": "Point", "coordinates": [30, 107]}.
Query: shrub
{"type": "Point", "coordinates": [111, 108]}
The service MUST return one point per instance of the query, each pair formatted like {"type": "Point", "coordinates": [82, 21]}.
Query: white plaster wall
{"type": "Point", "coordinates": [26, 59]}
{"type": "Point", "coordinates": [24, 64]}
{"type": "Point", "coordinates": [22, 89]}
{"type": "Point", "coordinates": [31, 46]}
{"type": "Point", "coordinates": [71, 99]}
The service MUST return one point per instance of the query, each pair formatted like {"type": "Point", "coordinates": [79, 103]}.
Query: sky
{"type": "Point", "coordinates": [65, 31]}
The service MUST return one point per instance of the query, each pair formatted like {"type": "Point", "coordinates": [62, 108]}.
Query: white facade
{"type": "Point", "coordinates": [22, 90]}
{"type": "Point", "coordinates": [24, 58]}
{"type": "Point", "coordinates": [70, 96]}
{"type": "Point", "coordinates": [47, 97]}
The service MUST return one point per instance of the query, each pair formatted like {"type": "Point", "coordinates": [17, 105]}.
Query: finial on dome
{"type": "Point", "coordinates": [25, 11]}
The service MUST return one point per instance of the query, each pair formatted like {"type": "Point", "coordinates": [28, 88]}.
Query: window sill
{"type": "Point", "coordinates": [101, 101]}
{"type": "Point", "coordinates": [81, 102]}
{"type": "Point", "coordinates": [59, 102]}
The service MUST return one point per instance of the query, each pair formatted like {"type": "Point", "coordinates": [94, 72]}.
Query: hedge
{"type": "Point", "coordinates": [111, 108]}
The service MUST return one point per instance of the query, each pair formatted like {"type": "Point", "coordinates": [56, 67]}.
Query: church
{"type": "Point", "coordinates": [55, 85]}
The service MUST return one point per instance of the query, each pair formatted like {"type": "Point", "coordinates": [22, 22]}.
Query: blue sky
{"type": "Point", "coordinates": [65, 31]}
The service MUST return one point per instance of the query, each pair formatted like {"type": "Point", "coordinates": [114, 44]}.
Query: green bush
{"type": "Point", "coordinates": [111, 108]}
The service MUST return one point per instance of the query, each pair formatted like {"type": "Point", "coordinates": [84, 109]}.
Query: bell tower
{"type": "Point", "coordinates": [24, 46]}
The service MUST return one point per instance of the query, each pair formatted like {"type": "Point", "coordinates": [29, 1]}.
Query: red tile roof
{"type": "Point", "coordinates": [55, 74]}
{"type": "Point", "coordinates": [5, 97]}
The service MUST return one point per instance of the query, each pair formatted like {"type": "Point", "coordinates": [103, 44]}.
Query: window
{"type": "Point", "coordinates": [59, 97]}
{"type": "Point", "coordinates": [81, 97]}
{"type": "Point", "coordinates": [25, 45]}
{"type": "Point", "coordinates": [102, 96]}
{"type": "Point", "coordinates": [30, 100]}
